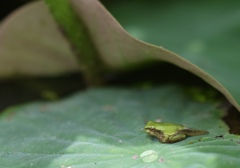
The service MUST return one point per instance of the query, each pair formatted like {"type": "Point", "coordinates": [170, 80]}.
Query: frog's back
{"type": "Point", "coordinates": [165, 124]}
{"type": "Point", "coordinates": [171, 128]}
{"type": "Point", "coordinates": [171, 124]}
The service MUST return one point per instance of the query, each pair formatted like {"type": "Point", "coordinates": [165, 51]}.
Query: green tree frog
{"type": "Point", "coordinates": [170, 133]}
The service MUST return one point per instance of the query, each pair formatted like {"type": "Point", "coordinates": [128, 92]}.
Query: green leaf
{"type": "Point", "coordinates": [104, 128]}
{"type": "Point", "coordinates": [120, 50]}
{"type": "Point", "coordinates": [206, 33]}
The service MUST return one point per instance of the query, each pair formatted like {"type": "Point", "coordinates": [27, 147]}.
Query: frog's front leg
{"type": "Point", "coordinates": [176, 138]}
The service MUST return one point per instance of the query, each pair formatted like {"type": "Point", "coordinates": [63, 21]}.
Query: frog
{"type": "Point", "coordinates": [170, 133]}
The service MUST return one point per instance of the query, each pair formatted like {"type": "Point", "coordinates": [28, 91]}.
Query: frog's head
{"type": "Point", "coordinates": [150, 128]}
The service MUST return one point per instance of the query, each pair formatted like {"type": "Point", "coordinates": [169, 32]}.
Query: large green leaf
{"type": "Point", "coordinates": [104, 128]}
{"type": "Point", "coordinates": [119, 50]}
{"type": "Point", "coordinates": [204, 32]}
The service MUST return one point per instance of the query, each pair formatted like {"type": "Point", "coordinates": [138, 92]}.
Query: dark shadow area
{"type": "Point", "coordinates": [26, 89]}
{"type": "Point", "coordinates": [9, 6]}
{"type": "Point", "coordinates": [23, 90]}
{"type": "Point", "coordinates": [155, 74]}
{"type": "Point", "coordinates": [232, 119]}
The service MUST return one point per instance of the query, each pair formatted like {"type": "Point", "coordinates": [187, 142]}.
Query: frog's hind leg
{"type": "Point", "coordinates": [176, 138]}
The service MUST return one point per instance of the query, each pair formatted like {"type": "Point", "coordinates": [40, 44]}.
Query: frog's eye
{"type": "Point", "coordinates": [149, 129]}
